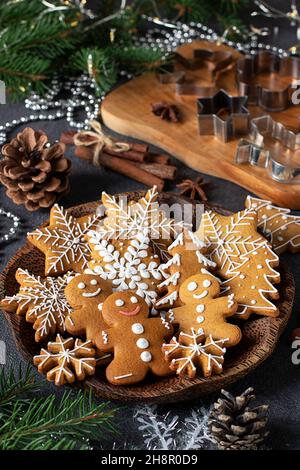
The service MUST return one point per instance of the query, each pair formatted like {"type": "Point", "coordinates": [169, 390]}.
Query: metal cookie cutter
{"type": "Point", "coordinates": [267, 63]}
{"type": "Point", "coordinates": [217, 62]}
{"type": "Point", "coordinates": [259, 152]}
{"type": "Point", "coordinates": [223, 115]}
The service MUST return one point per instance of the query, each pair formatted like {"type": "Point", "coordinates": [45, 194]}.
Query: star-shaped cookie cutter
{"type": "Point", "coordinates": [267, 63]}
{"type": "Point", "coordinates": [256, 152]}
{"type": "Point", "coordinates": [217, 63]}
{"type": "Point", "coordinates": [223, 115]}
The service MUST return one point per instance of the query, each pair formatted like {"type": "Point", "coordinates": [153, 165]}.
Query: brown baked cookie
{"type": "Point", "coordinates": [63, 241]}
{"type": "Point", "coordinates": [86, 294]}
{"type": "Point", "coordinates": [187, 257]}
{"type": "Point", "coordinates": [244, 259]}
{"type": "Point", "coordinates": [277, 224]}
{"type": "Point", "coordinates": [192, 351]}
{"type": "Point", "coordinates": [204, 311]}
{"type": "Point", "coordinates": [128, 264]}
{"type": "Point", "coordinates": [135, 339]}
{"type": "Point", "coordinates": [42, 301]}
{"type": "Point", "coordinates": [66, 360]}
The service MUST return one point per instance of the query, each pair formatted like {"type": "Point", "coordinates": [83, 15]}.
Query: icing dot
{"type": "Point", "coordinates": [192, 286]}
{"type": "Point", "coordinates": [119, 302]}
{"type": "Point", "coordinates": [253, 287]}
{"type": "Point", "coordinates": [200, 331]}
{"type": "Point", "coordinates": [94, 282]}
{"type": "Point", "coordinates": [242, 276]}
{"type": "Point", "coordinates": [137, 328]}
{"type": "Point", "coordinates": [254, 252]}
{"type": "Point", "coordinates": [146, 356]}
{"type": "Point", "coordinates": [284, 217]}
{"type": "Point", "coordinates": [206, 283]}
{"type": "Point", "coordinates": [253, 302]}
{"type": "Point", "coordinates": [133, 300]}
{"type": "Point", "coordinates": [142, 343]}
{"type": "Point", "coordinates": [100, 306]}
{"type": "Point", "coordinates": [200, 308]}
{"type": "Point", "coordinates": [81, 285]}
{"type": "Point", "coordinates": [264, 216]}
{"type": "Point", "coordinates": [200, 319]}
{"type": "Point", "coordinates": [269, 207]}
{"type": "Point", "coordinates": [259, 266]}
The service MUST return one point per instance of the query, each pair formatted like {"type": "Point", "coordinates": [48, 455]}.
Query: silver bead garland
{"type": "Point", "coordinates": [15, 225]}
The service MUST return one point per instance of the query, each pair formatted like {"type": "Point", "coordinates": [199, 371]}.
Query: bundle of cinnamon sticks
{"type": "Point", "coordinates": [136, 163]}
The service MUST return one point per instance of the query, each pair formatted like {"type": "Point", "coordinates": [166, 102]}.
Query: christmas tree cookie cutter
{"type": "Point", "coordinates": [256, 152]}
{"type": "Point", "coordinates": [269, 64]}
{"type": "Point", "coordinates": [217, 62]}
{"type": "Point", "coordinates": [223, 115]}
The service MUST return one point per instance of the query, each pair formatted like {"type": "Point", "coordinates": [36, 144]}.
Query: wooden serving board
{"type": "Point", "coordinates": [127, 110]}
{"type": "Point", "coordinates": [260, 335]}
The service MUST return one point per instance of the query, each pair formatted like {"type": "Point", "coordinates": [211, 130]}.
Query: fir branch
{"type": "Point", "coordinates": [13, 385]}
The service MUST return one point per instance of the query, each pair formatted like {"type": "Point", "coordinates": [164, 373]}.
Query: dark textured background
{"type": "Point", "coordinates": [277, 381]}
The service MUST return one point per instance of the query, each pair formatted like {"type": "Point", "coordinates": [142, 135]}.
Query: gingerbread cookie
{"type": "Point", "coordinates": [191, 351]}
{"type": "Point", "coordinates": [244, 259]}
{"type": "Point", "coordinates": [63, 241]}
{"type": "Point", "coordinates": [86, 294]}
{"type": "Point", "coordinates": [42, 300]}
{"type": "Point", "coordinates": [187, 257]}
{"type": "Point", "coordinates": [66, 360]}
{"type": "Point", "coordinates": [204, 311]}
{"type": "Point", "coordinates": [135, 339]}
{"type": "Point", "coordinates": [276, 224]}
{"type": "Point", "coordinates": [130, 265]}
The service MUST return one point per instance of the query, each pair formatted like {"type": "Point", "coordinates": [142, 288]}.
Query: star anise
{"type": "Point", "coordinates": [193, 189]}
{"type": "Point", "coordinates": [166, 111]}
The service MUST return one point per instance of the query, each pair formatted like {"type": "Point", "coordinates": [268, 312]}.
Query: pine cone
{"type": "Point", "coordinates": [235, 426]}
{"type": "Point", "coordinates": [35, 175]}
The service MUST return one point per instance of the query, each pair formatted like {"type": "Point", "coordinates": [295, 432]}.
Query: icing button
{"type": "Point", "coordinates": [100, 306]}
{"type": "Point", "coordinates": [137, 328]}
{"type": "Point", "coordinates": [146, 356]}
{"type": "Point", "coordinates": [142, 343]}
{"type": "Point", "coordinates": [200, 308]}
{"type": "Point", "coordinates": [200, 319]}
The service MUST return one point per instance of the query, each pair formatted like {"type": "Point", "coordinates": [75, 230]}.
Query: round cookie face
{"type": "Point", "coordinates": [87, 288]}
{"type": "Point", "coordinates": [198, 287]}
{"type": "Point", "coordinates": [123, 307]}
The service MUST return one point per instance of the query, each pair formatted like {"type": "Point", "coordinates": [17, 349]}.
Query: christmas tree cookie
{"type": "Point", "coordinates": [276, 224]}
{"type": "Point", "coordinates": [244, 260]}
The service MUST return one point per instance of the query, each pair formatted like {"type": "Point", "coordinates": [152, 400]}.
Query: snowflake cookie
{"type": "Point", "coordinates": [186, 258]}
{"type": "Point", "coordinates": [66, 360]}
{"type": "Point", "coordinates": [135, 339]}
{"type": "Point", "coordinates": [244, 259]}
{"type": "Point", "coordinates": [204, 311]}
{"type": "Point", "coordinates": [276, 224]}
{"type": "Point", "coordinates": [63, 241]}
{"type": "Point", "coordinates": [42, 300]}
{"type": "Point", "coordinates": [193, 350]}
{"type": "Point", "coordinates": [132, 266]}
{"type": "Point", "coordinates": [86, 294]}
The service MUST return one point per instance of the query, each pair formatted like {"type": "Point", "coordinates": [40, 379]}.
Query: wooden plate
{"type": "Point", "coordinates": [260, 335]}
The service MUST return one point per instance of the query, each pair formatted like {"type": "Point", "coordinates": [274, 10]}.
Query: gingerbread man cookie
{"type": "Point", "coordinates": [187, 257]}
{"type": "Point", "coordinates": [276, 224]}
{"type": "Point", "coordinates": [244, 260]}
{"type": "Point", "coordinates": [135, 339]}
{"type": "Point", "coordinates": [63, 241]}
{"type": "Point", "coordinates": [86, 294]}
{"type": "Point", "coordinates": [205, 312]}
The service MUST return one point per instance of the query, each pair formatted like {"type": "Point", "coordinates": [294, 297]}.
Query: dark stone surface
{"type": "Point", "coordinates": [276, 381]}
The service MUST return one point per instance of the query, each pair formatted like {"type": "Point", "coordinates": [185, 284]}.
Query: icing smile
{"type": "Point", "coordinates": [131, 313]}
{"type": "Point", "coordinates": [91, 294]}
{"type": "Point", "coordinates": [200, 296]}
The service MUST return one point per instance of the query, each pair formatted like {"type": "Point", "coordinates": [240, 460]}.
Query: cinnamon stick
{"type": "Point", "coordinates": [163, 159]}
{"type": "Point", "coordinates": [132, 155]}
{"type": "Point", "coordinates": [166, 172]}
{"type": "Point", "coordinates": [130, 170]}
{"type": "Point", "coordinates": [123, 166]}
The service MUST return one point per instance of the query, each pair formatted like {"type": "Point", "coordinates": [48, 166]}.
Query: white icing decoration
{"type": "Point", "coordinates": [92, 294]}
{"type": "Point", "coordinates": [253, 302]}
{"type": "Point", "coordinates": [137, 328]}
{"type": "Point", "coordinates": [200, 308]}
{"type": "Point", "coordinates": [125, 376]}
{"type": "Point", "coordinates": [146, 356]}
{"type": "Point", "coordinates": [192, 286]}
{"type": "Point", "coordinates": [206, 283]}
{"type": "Point", "coordinates": [100, 306]}
{"type": "Point", "coordinates": [201, 296]}
{"type": "Point", "coordinates": [93, 282]}
{"type": "Point", "coordinates": [133, 300]}
{"type": "Point", "coordinates": [142, 343]}
{"type": "Point", "coordinates": [119, 303]}
{"type": "Point", "coordinates": [105, 337]}
{"type": "Point", "coordinates": [81, 285]}
{"type": "Point", "coordinates": [259, 266]}
{"type": "Point", "coordinates": [200, 319]}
